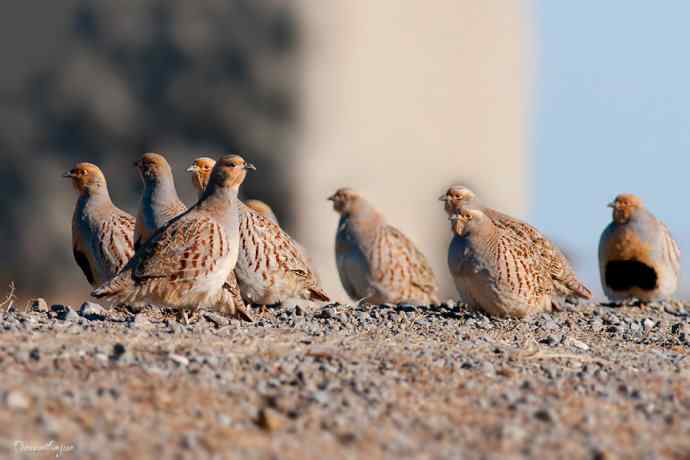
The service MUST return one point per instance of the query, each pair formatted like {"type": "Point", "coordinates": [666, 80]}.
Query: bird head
{"type": "Point", "coordinates": [229, 172]}
{"type": "Point", "coordinates": [152, 167]}
{"type": "Point", "coordinates": [343, 200]}
{"type": "Point", "coordinates": [624, 205]}
{"type": "Point", "coordinates": [200, 169]}
{"type": "Point", "coordinates": [465, 221]}
{"type": "Point", "coordinates": [86, 177]}
{"type": "Point", "coordinates": [455, 197]}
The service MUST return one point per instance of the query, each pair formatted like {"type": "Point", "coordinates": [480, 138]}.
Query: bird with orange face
{"type": "Point", "coordinates": [271, 267]}
{"type": "Point", "coordinates": [102, 234]}
{"type": "Point", "coordinates": [159, 201]}
{"type": "Point", "coordinates": [495, 269]}
{"type": "Point", "coordinates": [563, 277]}
{"type": "Point", "coordinates": [638, 257]}
{"type": "Point", "coordinates": [186, 263]}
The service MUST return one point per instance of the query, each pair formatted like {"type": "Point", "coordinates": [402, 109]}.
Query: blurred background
{"type": "Point", "coordinates": [547, 109]}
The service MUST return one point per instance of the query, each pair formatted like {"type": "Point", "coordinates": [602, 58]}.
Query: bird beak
{"type": "Point", "coordinates": [611, 205]}
{"type": "Point", "coordinates": [331, 198]}
{"type": "Point", "coordinates": [136, 164]}
{"type": "Point", "coordinates": [68, 175]}
{"type": "Point", "coordinates": [192, 168]}
{"type": "Point", "coordinates": [443, 197]}
{"type": "Point", "coordinates": [249, 166]}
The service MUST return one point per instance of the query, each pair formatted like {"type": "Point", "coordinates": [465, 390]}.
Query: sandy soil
{"type": "Point", "coordinates": [591, 382]}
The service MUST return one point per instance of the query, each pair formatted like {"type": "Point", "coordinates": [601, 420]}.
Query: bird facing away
{"type": "Point", "coordinates": [102, 234]}
{"type": "Point", "coordinates": [638, 257]}
{"type": "Point", "coordinates": [496, 270]}
{"type": "Point", "coordinates": [263, 209]}
{"type": "Point", "coordinates": [271, 268]}
{"type": "Point", "coordinates": [562, 274]}
{"type": "Point", "coordinates": [186, 263]}
{"type": "Point", "coordinates": [159, 201]}
{"type": "Point", "coordinates": [375, 260]}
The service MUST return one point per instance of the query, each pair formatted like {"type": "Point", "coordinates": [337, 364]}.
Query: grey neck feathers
{"type": "Point", "coordinates": [160, 191]}
{"type": "Point", "coordinates": [487, 233]}
{"type": "Point", "coordinates": [95, 196]}
{"type": "Point", "coordinates": [219, 197]}
{"type": "Point", "coordinates": [641, 216]}
{"type": "Point", "coordinates": [364, 221]}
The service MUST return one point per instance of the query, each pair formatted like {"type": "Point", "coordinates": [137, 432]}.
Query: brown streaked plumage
{"type": "Point", "coordinates": [200, 171]}
{"type": "Point", "coordinates": [263, 209]}
{"type": "Point", "coordinates": [375, 260]}
{"type": "Point", "coordinates": [564, 278]}
{"type": "Point", "coordinates": [638, 257]}
{"type": "Point", "coordinates": [159, 201]}
{"type": "Point", "coordinates": [102, 234]}
{"type": "Point", "coordinates": [187, 262]}
{"type": "Point", "coordinates": [495, 269]}
{"type": "Point", "coordinates": [271, 267]}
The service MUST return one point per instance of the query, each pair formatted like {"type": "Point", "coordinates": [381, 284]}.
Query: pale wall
{"type": "Point", "coordinates": [400, 100]}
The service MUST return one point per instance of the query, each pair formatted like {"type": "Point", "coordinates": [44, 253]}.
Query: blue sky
{"type": "Point", "coordinates": [611, 114]}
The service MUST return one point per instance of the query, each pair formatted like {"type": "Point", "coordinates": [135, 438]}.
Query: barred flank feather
{"type": "Point", "coordinates": [375, 260]}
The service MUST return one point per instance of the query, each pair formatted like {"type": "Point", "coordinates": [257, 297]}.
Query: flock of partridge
{"type": "Point", "coordinates": [223, 253]}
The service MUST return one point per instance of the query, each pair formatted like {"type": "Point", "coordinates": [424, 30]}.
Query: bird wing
{"type": "Point", "coordinates": [188, 247]}
{"type": "Point", "coordinates": [558, 266]}
{"type": "Point", "coordinates": [282, 253]}
{"type": "Point", "coordinates": [404, 263]}
{"type": "Point", "coordinates": [115, 247]}
{"type": "Point", "coordinates": [275, 250]}
{"type": "Point", "coordinates": [671, 249]}
{"type": "Point", "coordinates": [139, 229]}
{"type": "Point", "coordinates": [84, 264]}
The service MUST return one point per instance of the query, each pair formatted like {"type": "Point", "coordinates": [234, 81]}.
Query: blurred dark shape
{"type": "Point", "coordinates": [182, 78]}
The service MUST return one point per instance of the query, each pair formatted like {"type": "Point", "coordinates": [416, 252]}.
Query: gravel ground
{"type": "Point", "coordinates": [591, 381]}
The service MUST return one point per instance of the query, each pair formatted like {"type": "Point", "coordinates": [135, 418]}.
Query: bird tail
{"type": "Point", "coordinates": [573, 287]}
{"type": "Point", "coordinates": [316, 293]}
{"type": "Point", "coordinates": [232, 303]}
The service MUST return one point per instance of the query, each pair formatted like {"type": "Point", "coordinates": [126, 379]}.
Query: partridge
{"type": "Point", "coordinates": [638, 257]}
{"type": "Point", "coordinates": [102, 234]}
{"type": "Point", "coordinates": [376, 261]}
{"type": "Point", "coordinates": [200, 170]}
{"type": "Point", "coordinates": [186, 263]}
{"type": "Point", "coordinates": [271, 268]}
{"type": "Point", "coordinates": [159, 202]}
{"type": "Point", "coordinates": [562, 275]}
{"type": "Point", "coordinates": [495, 269]}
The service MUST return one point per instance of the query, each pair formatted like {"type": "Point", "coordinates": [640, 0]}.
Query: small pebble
{"type": "Point", "coordinates": [17, 400]}
{"type": "Point", "coordinates": [92, 311]}
{"type": "Point", "coordinates": [39, 305]}
{"type": "Point", "coordinates": [179, 359]}
{"type": "Point", "coordinates": [270, 420]}
{"type": "Point", "coordinates": [580, 345]}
